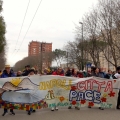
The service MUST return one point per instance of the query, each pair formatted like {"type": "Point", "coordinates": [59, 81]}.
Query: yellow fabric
{"type": "Point", "coordinates": [15, 81]}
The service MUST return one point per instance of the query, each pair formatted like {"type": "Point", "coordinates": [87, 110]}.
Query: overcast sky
{"type": "Point", "coordinates": [54, 22]}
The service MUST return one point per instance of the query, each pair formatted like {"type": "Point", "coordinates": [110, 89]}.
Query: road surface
{"type": "Point", "coordinates": [65, 114]}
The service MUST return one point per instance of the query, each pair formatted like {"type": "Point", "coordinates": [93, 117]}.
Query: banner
{"type": "Point", "coordinates": [48, 91]}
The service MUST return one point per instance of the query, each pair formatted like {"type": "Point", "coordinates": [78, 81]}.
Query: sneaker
{"type": "Point", "coordinates": [52, 109]}
{"type": "Point", "coordinates": [77, 108]}
{"type": "Point", "coordinates": [12, 112]}
{"type": "Point", "coordinates": [101, 108]}
{"type": "Point", "coordinates": [34, 111]}
{"type": "Point", "coordinates": [69, 107]}
{"type": "Point", "coordinates": [4, 113]}
{"type": "Point", "coordinates": [118, 107]}
{"type": "Point", "coordinates": [89, 106]}
{"type": "Point", "coordinates": [56, 108]}
{"type": "Point", "coordinates": [29, 113]}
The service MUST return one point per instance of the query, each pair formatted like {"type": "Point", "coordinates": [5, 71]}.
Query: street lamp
{"type": "Point", "coordinates": [41, 57]}
{"type": "Point", "coordinates": [67, 58]}
{"type": "Point", "coordinates": [82, 65]}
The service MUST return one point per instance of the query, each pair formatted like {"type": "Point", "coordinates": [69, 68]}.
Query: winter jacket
{"type": "Point", "coordinates": [84, 74]}
{"type": "Point", "coordinates": [117, 76]}
{"type": "Point", "coordinates": [26, 72]}
{"type": "Point", "coordinates": [68, 73]}
{"type": "Point", "coordinates": [79, 74]}
{"type": "Point", "coordinates": [100, 74]}
{"type": "Point", "coordinates": [56, 73]}
{"type": "Point", "coordinates": [103, 73]}
{"type": "Point", "coordinates": [5, 74]}
{"type": "Point", "coordinates": [109, 76]}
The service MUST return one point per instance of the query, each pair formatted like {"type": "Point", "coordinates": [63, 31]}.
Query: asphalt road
{"type": "Point", "coordinates": [65, 114]}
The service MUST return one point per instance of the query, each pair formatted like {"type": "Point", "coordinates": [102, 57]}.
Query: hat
{"type": "Point", "coordinates": [7, 66]}
{"type": "Point", "coordinates": [81, 71]}
{"type": "Point", "coordinates": [118, 68]}
{"type": "Point", "coordinates": [27, 66]}
{"type": "Point", "coordinates": [32, 70]}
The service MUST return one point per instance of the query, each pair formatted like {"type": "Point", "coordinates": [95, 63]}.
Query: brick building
{"type": "Point", "coordinates": [36, 48]}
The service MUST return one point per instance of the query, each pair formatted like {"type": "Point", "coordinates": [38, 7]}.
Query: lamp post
{"type": "Point", "coordinates": [67, 58]}
{"type": "Point", "coordinates": [41, 59]}
{"type": "Point", "coordinates": [82, 65]}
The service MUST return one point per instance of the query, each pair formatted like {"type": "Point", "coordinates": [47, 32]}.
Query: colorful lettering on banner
{"type": "Point", "coordinates": [105, 105]}
{"type": "Point", "coordinates": [50, 95]}
{"type": "Point", "coordinates": [109, 87]}
{"type": "Point", "coordinates": [55, 83]}
{"type": "Point", "coordinates": [50, 91]}
{"type": "Point", "coordinates": [87, 95]}
{"type": "Point", "coordinates": [93, 91]}
{"type": "Point", "coordinates": [89, 84]}
{"type": "Point", "coordinates": [61, 104]}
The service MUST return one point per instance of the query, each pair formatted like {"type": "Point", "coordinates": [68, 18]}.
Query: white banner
{"type": "Point", "coordinates": [49, 91]}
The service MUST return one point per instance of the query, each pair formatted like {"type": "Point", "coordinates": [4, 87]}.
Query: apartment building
{"type": "Point", "coordinates": [35, 48]}
{"type": "Point", "coordinates": [40, 49]}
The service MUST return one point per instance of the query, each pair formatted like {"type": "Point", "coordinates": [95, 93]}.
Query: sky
{"type": "Point", "coordinates": [54, 22]}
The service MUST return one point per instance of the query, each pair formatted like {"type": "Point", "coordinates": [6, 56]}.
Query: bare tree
{"type": "Point", "coordinates": [91, 43]}
{"type": "Point", "coordinates": [102, 32]}
{"type": "Point", "coordinates": [109, 18]}
{"type": "Point", "coordinates": [74, 53]}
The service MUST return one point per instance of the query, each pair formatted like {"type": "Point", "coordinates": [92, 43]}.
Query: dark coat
{"type": "Point", "coordinates": [5, 74]}
{"type": "Point", "coordinates": [101, 75]}
{"type": "Point", "coordinates": [68, 73]}
{"type": "Point", "coordinates": [25, 72]}
{"type": "Point", "coordinates": [108, 76]}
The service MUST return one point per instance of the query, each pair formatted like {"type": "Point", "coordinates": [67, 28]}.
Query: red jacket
{"type": "Point", "coordinates": [80, 75]}
{"type": "Point", "coordinates": [56, 73]}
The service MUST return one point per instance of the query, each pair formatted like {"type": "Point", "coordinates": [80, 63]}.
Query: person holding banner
{"type": "Point", "coordinates": [8, 73]}
{"type": "Point", "coordinates": [79, 75]}
{"type": "Point", "coordinates": [117, 76]}
{"type": "Point", "coordinates": [97, 73]}
{"type": "Point", "coordinates": [26, 71]}
{"type": "Point", "coordinates": [31, 73]}
{"type": "Point", "coordinates": [60, 72]}
{"type": "Point", "coordinates": [109, 75]}
{"type": "Point", "coordinates": [19, 74]}
{"type": "Point", "coordinates": [68, 72]}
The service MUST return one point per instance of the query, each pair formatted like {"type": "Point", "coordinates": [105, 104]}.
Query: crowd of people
{"type": "Point", "coordinates": [97, 72]}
